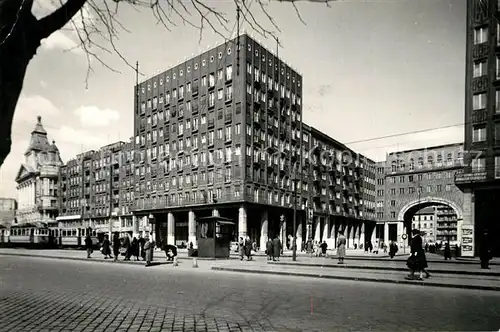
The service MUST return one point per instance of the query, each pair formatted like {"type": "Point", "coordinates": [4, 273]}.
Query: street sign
{"type": "Point", "coordinates": [404, 236]}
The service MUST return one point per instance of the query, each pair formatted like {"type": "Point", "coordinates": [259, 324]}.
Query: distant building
{"type": "Point", "coordinates": [8, 207]}
{"type": "Point", "coordinates": [96, 191]}
{"type": "Point", "coordinates": [410, 180]}
{"type": "Point", "coordinates": [426, 220]}
{"type": "Point", "coordinates": [37, 180]}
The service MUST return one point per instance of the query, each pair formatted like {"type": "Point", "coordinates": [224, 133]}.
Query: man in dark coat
{"type": "Point", "coordinates": [116, 245]}
{"type": "Point", "coordinates": [485, 251]}
{"type": "Point", "coordinates": [269, 249]}
{"type": "Point", "coordinates": [276, 248]}
{"type": "Point", "coordinates": [88, 245]}
{"type": "Point", "coordinates": [142, 241]}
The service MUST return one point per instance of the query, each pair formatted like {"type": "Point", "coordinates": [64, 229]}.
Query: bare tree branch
{"type": "Point", "coordinates": [58, 19]}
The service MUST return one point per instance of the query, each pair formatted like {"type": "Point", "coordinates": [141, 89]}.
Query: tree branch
{"type": "Point", "coordinates": [59, 18]}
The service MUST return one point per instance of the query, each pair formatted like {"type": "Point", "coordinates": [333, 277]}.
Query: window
{"type": "Point", "coordinates": [479, 101]}
{"type": "Point", "coordinates": [228, 133]}
{"type": "Point", "coordinates": [229, 72]}
{"type": "Point", "coordinates": [237, 129]}
{"type": "Point", "coordinates": [480, 35]}
{"type": "Point", "coordinates": [211, 99]}
{"type": "Point", "coordinates": [480, 69]}
{"type": "Point", "coordinates": [497, 131]}
{"type": "Point", "coordinates": [478, 165]}
{"type": "Point", "coordinates": [211, 80]}
{"type": "Point", "coordinates": [448, 187]}
{"type": "Point", "coordinates": [497, 101]}
{"type": "Point", "coordinates": [497, 167]}
{"type": "Point", "coordinates": [229, 93]}
{"type": "Point", "coordinates": [479, 134]}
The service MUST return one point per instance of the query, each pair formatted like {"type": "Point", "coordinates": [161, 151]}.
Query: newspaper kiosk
{"type": "Point", "coordinates": [214, 235]}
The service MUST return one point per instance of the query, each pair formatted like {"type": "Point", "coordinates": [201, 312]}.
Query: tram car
{"type": "Point", "coordinates": [38, 235]}
{"type": "Point", "coordinates": [29, 235]}
{"type": "Point", "coordinates": [75, 237]}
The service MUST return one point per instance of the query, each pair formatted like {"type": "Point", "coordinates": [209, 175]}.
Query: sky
{"type": "Point", "coordinates": [377, 74]}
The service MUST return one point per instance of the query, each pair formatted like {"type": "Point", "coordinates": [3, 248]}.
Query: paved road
{"type": "Point", "coordinates": [60, 295]}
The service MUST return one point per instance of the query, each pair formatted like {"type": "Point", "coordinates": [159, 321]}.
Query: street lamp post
{"type": "Point", "coordinates": [294, 239]}
{"type": "Point", "coordinates": [418, 193]}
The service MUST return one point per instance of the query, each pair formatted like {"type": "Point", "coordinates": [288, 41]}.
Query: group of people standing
{"type": "Point", "coordinates": [141, 247]}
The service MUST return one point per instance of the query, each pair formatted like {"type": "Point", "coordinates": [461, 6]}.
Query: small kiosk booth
{"type": "Point", "coordinates": [214, 235]}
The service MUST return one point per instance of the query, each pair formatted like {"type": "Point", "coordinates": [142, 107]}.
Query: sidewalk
{"type": "Point", "coordinates": [442, 267]}
{"type": "Point", "coordinates": [390, 271]}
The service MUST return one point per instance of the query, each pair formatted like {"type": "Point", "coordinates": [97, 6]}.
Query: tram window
{"type": "Point", "coordinates": [73, 233]}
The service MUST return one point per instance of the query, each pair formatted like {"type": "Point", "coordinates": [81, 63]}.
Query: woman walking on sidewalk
{"type": "Point", "coordinates": [341, 242]}
{"type": "Point", "coordinates": [417, 261]}
{"type": "Point", "coordinates": [106, 248]}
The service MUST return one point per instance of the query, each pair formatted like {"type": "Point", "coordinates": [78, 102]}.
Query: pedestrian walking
{"type": "Point", "coordinates": [241, 248]}
{"type": "Point", "coordinates": [269, 249]}
{"type": "Point", "coordinates": [447, 251]}
{"type": "Point", "coordinates": [106, 248]}
{"type": "Point", "coordinates": [417, 261]}
{"type": "Point", "coordinates": [116, 245]}
{"type": "Point", "coordinates": [276, 248]}
{"type": "Point", "coordinates": [170, 251]}
{"type": "Point", "coordinates": [88, 246]}
{"type": "Point", "coordinates": [485, 251]}
{"type": "Point", "coordinates": [142, 242]}
{"type": "Point", "coordinates": [341, 243]}
{"type": "Point", "coordinates": [134, 248]}
{"type": "Point", "coordinates": [323, 247]}
{"type": "Point", "coordinates": [309, 248]}
{"type": "Point", "coordinates": [248, 248]}
{"type": "Point", "coordinates": [393, 249]}
{"type": "Point", "coordinates": [148, 249]}
{"type": "Point", "coordinates": [126, 247]}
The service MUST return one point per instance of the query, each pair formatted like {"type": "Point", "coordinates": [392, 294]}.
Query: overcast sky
{"type": "Point", "coordinates": [371, 69]}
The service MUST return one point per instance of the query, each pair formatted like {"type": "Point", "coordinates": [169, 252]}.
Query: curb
{"type": "Point", "coordinates": [111, 261]}
{"type": "Point", "coordinates": [366, 279]}
{"type": "Point", "coordinates": [343, 266]}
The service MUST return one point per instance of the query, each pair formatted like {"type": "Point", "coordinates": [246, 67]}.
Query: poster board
{"type": "Point", "coordinates": [467, 241]}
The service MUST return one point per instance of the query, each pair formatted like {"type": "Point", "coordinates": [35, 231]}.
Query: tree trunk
{"type": "Point", "coordinates": [18, 43]}
{"type": "Point", "coordinates": [20, 36]}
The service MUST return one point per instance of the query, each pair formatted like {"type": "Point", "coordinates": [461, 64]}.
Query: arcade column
{"type": "Point", "coordinates": [242, 222]}
{"type": "Point", "coordinates": [386, 233]}
{"type": "Point", "coordinates": [401, 230]}
{"type": "Point", "coordinates": [264, 230]}
{"type": "Point", "coordinates": [298, 234]}
{"type": "Point", "coordinates": [326, 227]}
{"type": "Point", "coordinates": [192, 229]}
{"type": "Point", "coordinates": [317, 229]}
{"type": "Point", "coordinates": [170, 228]}
{"type": "Point", "coordinates": [362, 235]}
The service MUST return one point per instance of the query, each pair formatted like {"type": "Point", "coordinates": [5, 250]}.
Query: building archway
{"type": "Point", "coordinates": [446, 227]}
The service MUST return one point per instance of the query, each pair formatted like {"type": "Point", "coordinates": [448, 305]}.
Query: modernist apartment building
{"type": "Point", "coordinates": [96, 191]}
{"type": "Point", "coordinates": [408, 181]}
{"type": "Point", "coordinates": [37, 181]}
{"type": "Point", "coordinates": [481, 177]}
{"type": "Point", "coordinates": [221, 133]}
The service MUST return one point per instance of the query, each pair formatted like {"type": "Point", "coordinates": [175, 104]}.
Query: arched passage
{"type": "Point", "coordinates": [445, 223]}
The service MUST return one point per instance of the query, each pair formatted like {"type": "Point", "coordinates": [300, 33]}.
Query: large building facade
{"type": "Point", "coordinates": [37, 180]}
{"type": "Point", "coordinates": [222, 133]}
{"type": "Point", "coordinates": [480, 179]}
{"type": "Point", "coordinates": [408, 181]}
{"type": "Point", "coordinates": [96, 191]}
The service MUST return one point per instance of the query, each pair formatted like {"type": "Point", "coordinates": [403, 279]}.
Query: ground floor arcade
{"type": "Point", "coordinates": [260, 223]}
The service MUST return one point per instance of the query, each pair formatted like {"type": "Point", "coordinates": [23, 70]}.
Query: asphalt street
{"type": "Point", "coordinates": [62, 295]}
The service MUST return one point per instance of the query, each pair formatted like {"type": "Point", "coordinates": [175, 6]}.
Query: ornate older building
{"type": "Point", "coordinates": [37, 180]}
{"type": "Point", "coordinates": [413, 180]}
